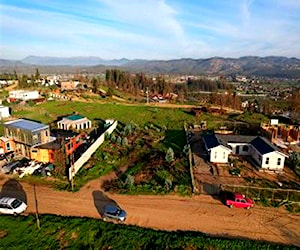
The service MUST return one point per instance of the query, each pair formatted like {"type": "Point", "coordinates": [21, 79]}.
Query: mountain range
{"type": "Point", "coordinates": [271, 66]}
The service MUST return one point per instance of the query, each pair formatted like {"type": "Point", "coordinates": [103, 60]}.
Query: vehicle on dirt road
{"type": "Point", "coordinates": [114, 212]}
{"type": "Point", "coordinates": [237, 200]}
{"type": "Point", "coordinates": [13, 206]}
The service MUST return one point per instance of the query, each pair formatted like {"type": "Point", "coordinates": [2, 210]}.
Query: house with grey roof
{"type": "Point", "coordinates": [265, 155]}
{"type": "Point", "coordinates": [26, 134]}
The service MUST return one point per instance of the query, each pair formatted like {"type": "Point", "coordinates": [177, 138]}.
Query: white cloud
{"type": "Point", "coordinates": [152, 29]}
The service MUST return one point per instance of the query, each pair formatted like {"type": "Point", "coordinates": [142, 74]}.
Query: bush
{"type": "Point", "coordinates": [169, 155]}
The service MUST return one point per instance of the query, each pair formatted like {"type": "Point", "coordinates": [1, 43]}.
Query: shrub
{"type": "Point", "coordinates": [119, 140]}
{"type": "Point", "coordinates": [125, 141]}
{"type": "Point", "coordinates": [169, 155]}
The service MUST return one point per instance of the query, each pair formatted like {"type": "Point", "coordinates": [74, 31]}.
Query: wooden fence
{"type": "Point", "coordinates": [258, 193]}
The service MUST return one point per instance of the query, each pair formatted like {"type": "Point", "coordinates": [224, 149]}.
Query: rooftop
{"type": "Point", "coordinates": [211, 141]}
{"type": "Point", "coordinates": [50, 145]}
{"type": "Point", "coordinates": [26, 125]}
{"type": "Point", "coordinates": [74, 117]}
{"type": "Point", "coordinates": [262, 145]}
{"type": "Point", "coordinates": [235, 138]}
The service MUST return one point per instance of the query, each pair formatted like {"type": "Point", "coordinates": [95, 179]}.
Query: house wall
{"type": "Point", "coordinates": [7, 146]}
{"type": "Point", "coordinates": [4, 112]}
{"type": "Point", "coordinates": [73, 144]}
{"type": "Point", "coordinates": [256, 156]}
{"type": "Point", "coordinates": [239, 148]}
{"type": "Point", "coordinates": [88, 153]}
{"type": "Point", "coordinates": [219, 155]}
{"type": "Point", "coordinates": [270, 161]}
{"type": "Point", "coordinates": [40, 154]}
{"type": "Point", "coordinates": [69, 85]}
{"type": "Point", "coordinates": [24, 95]}
{"type": "Point", "coordinates": [27, 137]}
{"type": "Point", "coordinates": [77, 125]}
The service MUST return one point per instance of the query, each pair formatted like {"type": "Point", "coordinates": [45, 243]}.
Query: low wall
{"type": "Point", "coordinates": [88, 153]}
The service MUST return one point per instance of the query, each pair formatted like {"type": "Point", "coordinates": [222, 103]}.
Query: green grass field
{"type": "Point", "coordinates": [172, 118]}
{"type": "Point", "coordinates": [85, 233]}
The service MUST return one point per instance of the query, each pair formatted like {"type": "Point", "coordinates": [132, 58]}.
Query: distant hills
{"type": "Point", "coordinates": [272, 66]}
{"type": "Point", "coordinates": [72, 61]}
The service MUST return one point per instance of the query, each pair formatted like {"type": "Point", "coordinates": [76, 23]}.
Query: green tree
{"type": "Point", "coordinates": [37, 74]}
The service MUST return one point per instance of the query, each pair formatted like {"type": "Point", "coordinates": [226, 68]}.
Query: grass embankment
{"type": "Point", "coordinates": [84, 233]}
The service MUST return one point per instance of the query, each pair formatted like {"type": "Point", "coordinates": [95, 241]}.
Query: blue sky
{"type": "Point", "coordinates": [149, 29]}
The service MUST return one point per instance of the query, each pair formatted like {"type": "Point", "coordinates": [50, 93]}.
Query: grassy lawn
{"type": "Point", "coordinates": [171, 118]}
{"type": "Point", "coordinates": [85, 233]}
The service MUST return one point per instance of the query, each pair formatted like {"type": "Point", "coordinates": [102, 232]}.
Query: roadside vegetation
{"type": "Point", "coordinates": [58, 232]}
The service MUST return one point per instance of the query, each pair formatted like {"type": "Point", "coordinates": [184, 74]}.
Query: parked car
{"type": "Point", "coordinates": [114, 212]}
{"type": "Point", "coordinates": [238, 200]}
{"type": "Point", "coordinates": [10, 167]}
{"type": "Point", "coordinates": [13, 206]}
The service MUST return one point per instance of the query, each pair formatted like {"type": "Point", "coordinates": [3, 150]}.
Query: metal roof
{"type": "Point", "coordinates": [74, 117]}
{"type": "Point", "coordinates": [211, 141]}
{"type": "Point", "coordinates": [235, 138]}
{"type": "Point", "coordinates": [262, 145]}
{"type": "Point", "coordinates": [26, 125]}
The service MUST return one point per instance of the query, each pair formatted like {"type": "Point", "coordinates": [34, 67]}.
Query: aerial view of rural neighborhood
{"type": "Point", "coordinates": [150, 124]}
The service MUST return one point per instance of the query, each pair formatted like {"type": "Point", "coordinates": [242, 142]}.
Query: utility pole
{"type": "Point", "coordinates": [147, 92]}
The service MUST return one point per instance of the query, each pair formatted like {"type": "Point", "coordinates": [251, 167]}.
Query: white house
{"type": "Point", "coordinates": [260, 149]}
{"type": "Point", "coordinates": [266, 155]}
{"type": "Point", "coordinates": [24, 95]}
{"type": "Point", "coordinates": [75, 121]}
{"type": "Point", "coordinates": [218, 153]}
{"type": "Point", "coordinates": [4, 112]}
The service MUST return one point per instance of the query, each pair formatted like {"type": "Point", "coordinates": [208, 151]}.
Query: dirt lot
{"type": "Point", "coordinates": [200, 213]}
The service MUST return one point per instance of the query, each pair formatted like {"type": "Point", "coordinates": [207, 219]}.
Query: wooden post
{"type": "Point", "coordinates": [36, 208]}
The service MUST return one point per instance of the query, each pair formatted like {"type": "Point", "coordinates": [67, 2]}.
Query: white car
{"type": "Point", "coordinates": [12, 206]}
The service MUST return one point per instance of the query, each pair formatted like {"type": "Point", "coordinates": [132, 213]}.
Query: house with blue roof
{"type": "Point", "coordinates": [26, 134]}
{"type": "Point", "coordinates": [218, 152]}
{"type": "Point", "coordinates": [265, 155]}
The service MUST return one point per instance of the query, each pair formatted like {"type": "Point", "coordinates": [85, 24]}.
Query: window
{"type": "Point", "coordinates": [8, 146]}
{"type": "Point", "coordinates": [267, 161]}
{"type": "Point", "coordinates": [215, 155]}
{"type": "Point", "coordinates": [46, 133]}
{"type": "Point", "coordinates": [245, 148]}
{"type": "Point", "coordinates": [224, 154]}
{"type": "Point", "coordinates": [278, 161]}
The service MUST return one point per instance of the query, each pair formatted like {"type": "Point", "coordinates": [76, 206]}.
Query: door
{"type": "Point", "coordinates": [237, 150]}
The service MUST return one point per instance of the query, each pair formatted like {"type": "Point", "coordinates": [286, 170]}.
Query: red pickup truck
{"type": "Point", "coordinates": [238, 200]}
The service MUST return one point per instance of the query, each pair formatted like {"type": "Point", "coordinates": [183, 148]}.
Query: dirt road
{"type": "Point", "coordinates": [199, 213]}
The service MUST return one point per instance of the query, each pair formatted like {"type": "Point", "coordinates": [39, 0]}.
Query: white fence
{"type": "Point", "coordinates": [88, 153]}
